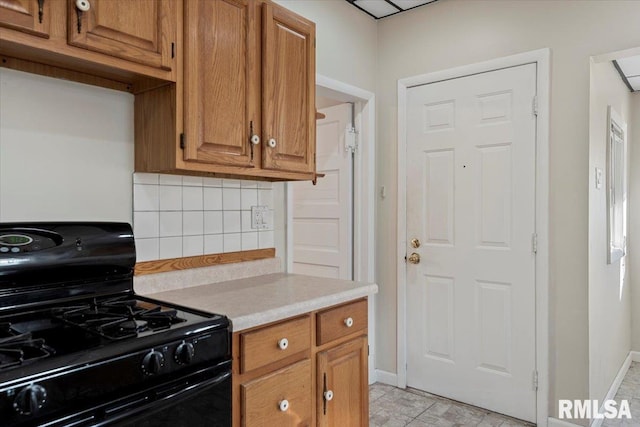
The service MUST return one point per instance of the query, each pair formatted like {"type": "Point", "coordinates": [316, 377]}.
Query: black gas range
{"type": "Point", "coordinates": [79, 348]}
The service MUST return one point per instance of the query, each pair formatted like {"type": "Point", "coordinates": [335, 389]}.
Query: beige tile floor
{"type": "Point", "coordinates": [393, 407]}
{"type": "Point", "coordinates": [629, 390]}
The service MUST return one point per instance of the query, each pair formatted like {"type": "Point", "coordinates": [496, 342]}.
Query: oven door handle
{"type": "Point", "coordinates": [180, 389]}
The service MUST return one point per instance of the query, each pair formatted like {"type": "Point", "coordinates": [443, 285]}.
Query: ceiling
{"type": "Point", "coordinates": [382, 8]}
{"type": "Point", "coordinates": [629, 69]}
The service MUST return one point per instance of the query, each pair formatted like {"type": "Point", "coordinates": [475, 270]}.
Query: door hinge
{"type": "Point", "coordinates": [535, 380]}
{"type": "Point", "coordinates": [351, 140]}
{"type": "Point", "coordinates": [182, 141]}
{"type": "Point", "coordinates": [534, 105]}
{"type": "Point", "coordinates": [368, 351]}
{"type": "Point", "coordinates": [534, 243]}
{"type": "Point", "coordinates": [173, 50]}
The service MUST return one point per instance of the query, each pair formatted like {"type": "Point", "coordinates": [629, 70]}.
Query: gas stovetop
{"type": "Point", "coordinates": [90, 324]}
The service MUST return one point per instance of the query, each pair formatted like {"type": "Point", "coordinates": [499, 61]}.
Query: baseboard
{"type": "Point", "coordinates": [635, 356]}
{"type": "Point", "coordinates": [385, 377]}
{"type": "Point", "coordinates": [554, 422]}
{"type": "Point", "coordinates": [614, 387]}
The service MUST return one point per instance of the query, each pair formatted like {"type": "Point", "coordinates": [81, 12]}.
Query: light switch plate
{"type": "Point", "coordinates": [260, 217]}
{"type": "Point", "coordinates": [598, 178]}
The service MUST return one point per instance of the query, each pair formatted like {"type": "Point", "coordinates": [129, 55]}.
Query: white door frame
{"type": "Point", "coordinates": [540, 57]}
{"type": "Point", "coordinates": [363, 193]}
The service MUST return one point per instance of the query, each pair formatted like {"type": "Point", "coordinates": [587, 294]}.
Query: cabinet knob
{"type": "Point", "coordinates": [328, 395]}
{"type": "Point", "coordinates": [284, 405]}
{"type": "Point", "coordinates": [348, 322]}
{"type": "Point", "coordinates": [83, 5]}
{"type": "Point", "coordinates": [272, 142]}
{"type": "Point", "coordinates": [283, 344]}
{"type": "Point", "coordinates": [255, 139]}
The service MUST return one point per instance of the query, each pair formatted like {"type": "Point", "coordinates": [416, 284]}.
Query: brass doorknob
{"type": "Point", "coordinates": [414, 258]}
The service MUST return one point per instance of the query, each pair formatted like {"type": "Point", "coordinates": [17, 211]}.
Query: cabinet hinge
{"type": "Point", "coordinates": [534, 105]}
{"type": "Point", "coordinates": [534, 243]}
{"type": "Point", "coordinates": [535, 380]}
{"type": "Point", "coordinates": [182, 141]}
{"type": "Point", "coordinates": [173, 50]}
{"type": "Point", "coordinates": [351, 140]}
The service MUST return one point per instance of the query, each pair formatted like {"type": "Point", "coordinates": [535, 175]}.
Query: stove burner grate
{"type": "Point", "coordinates": [117, 318]}
{"type": "Point", "coordinates": [16, 349]}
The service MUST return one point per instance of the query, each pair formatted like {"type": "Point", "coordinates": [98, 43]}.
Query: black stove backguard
{"type": "Point", "coordinates": [41, 262]}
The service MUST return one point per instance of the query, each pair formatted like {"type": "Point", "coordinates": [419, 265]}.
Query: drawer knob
{"type": "Point", "coordinates": [348, 322]}
{"type": "Point", "coordinates": [272, 142]}
{"type": "Point", "coordinates": [283, 344]}
{"type": "Point", "coordinates": [284, 405]}
{"type": "Point", "coordinates": [328, 395]}
{"type": "Point", "coordinates": [255, 139]}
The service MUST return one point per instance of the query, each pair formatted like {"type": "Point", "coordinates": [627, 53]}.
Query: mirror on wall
{"type": "Point", "coordinates": [616, 185]}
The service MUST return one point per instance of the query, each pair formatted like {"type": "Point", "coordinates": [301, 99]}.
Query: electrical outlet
{"type": "Point", "coordinates": [260, 217]}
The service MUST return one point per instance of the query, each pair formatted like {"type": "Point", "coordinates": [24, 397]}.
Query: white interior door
{"type": "Point", "coordinates": [322, 236]}
{"type": "Point", "coordinates": [471, 203]}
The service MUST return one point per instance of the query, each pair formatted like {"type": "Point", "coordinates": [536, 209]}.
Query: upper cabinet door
{"type": "Point", "coordinates": [29, 16]}
{"type": "Point", "coordinates": [222, 82]}
{"type": "Point", "coordinates": [140, 31]}
{"type": "Point", "coordinates": [288, 101]}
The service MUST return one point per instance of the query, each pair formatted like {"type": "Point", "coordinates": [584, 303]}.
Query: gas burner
{"type": "Point", "coordinates": [118, 318]}
{"type": "Point", "coordinates": [16, 349]}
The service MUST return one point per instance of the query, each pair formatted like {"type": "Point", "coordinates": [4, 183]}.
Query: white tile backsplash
{"type": "Point", "coordinates": [179, 216]}
{"type": "Point", "coordinates": [170, 247]}
{"type": "Point", "coordinates": [212, 199]}
{"type": "Point", "coordinates": [192, 223]}
{"type": "Point", "coordinates": [146, 224]}
{"type": "Point", "coordinates": [231, 199]}
{"type": "Point", "coordinates": [170, 224]}
{"type": "Point", "coordinates": [170, 197]}
{"type": "Point", "coordinates": [192, 199]}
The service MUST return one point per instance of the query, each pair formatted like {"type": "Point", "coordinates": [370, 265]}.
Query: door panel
{"type": "Point", "coordinates": [471, 203]}
{"type": "Point", "coordinates": [26, 16]}
{"type": "Point", "coordinates": [322, 229]}
{"type": "Point", "coordinates": [288, 104]}
{"type": "Point", "coordinates": [136, 30]}
{"type": "Point", "coordinates": [222, 81]}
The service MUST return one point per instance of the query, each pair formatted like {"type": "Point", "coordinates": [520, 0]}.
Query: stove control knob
{"type": "Point", "coordinates": [30, 400]}
{"type": "Point", "coordinates": [184, 353]}
{"type": "Point", "coordinates": [152, 363]}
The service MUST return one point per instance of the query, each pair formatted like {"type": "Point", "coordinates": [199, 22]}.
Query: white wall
{"type": "Point", "coordinates": [609, 288]}
{"type": "Point", "coordinates": [66, 150]}
{"type": "Point", "coordinates": [634, 219]}
{"type": "Point", "coordinates": [455, 32]}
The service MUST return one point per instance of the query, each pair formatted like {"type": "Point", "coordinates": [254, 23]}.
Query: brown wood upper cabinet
{"type": "Point", "coordinates": [29, 16]}
{"type": "Point", "coordinates": [141, 31]}
{"type": "Point", "coordinates": [248, 95]}
{"type": "Point", "coordinates": [288, 102]}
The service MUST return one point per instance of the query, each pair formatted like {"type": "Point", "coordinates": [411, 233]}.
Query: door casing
{"type": "Point", "coordinates": [540, 57]}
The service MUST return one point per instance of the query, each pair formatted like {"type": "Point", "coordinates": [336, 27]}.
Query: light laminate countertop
{"type": "Point", "coordinates": [264, 299]}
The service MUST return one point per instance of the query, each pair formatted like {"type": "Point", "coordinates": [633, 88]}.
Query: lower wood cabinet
{"type": "Point", "coordinates": [309, 370]}
{"type": "Point", "coordinates": [342, 386]}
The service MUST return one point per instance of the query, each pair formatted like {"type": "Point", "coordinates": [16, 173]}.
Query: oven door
{"type": "Point", "coordinates": [202, 398]}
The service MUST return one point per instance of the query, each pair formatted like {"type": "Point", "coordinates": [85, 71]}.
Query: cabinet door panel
{"type": "Point", "coordinates": [136, 30]}
{"type": "Point", "coordinates": [343, 370]}
{"type": "Point", "coordinates": [221, 81]}
{"type": "Point", "coordinates": [288, 103]}
{"type": "Point", "coordinates": [26, 15]}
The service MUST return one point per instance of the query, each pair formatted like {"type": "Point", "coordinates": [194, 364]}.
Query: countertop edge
{"type": "Point", "coordinates": [241, 323]}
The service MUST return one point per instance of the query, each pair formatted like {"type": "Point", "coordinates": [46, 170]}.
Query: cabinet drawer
{"type": "Point", "coordinates": [272, 343]}
{"type": "Point", "coordinates": [282, 398]}
{"type": "Point", "coordinates": [340, 321]}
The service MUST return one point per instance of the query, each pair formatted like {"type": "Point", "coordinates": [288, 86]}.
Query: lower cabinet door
{"type": "Point", "coordinates": [342, 385]}
{"type": "Point", "coordinates": [282, 398]}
